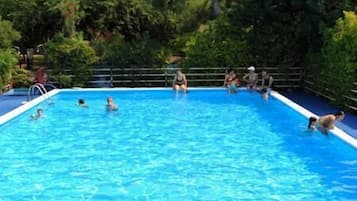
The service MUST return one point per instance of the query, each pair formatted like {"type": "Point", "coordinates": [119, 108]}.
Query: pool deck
{"type": "Point", "coordinates": [321, 106]}
{"type": "Point", "coordinates": [315, 104]}
{"type": "Point", "coordinates": [10, 102]}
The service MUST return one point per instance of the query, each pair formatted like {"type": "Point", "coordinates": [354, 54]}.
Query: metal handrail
{"type": "Point", "coordinates": [41, 88]}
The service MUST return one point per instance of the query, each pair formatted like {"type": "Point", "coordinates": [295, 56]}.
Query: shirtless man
{"type": "Point", "coordinates": [327, 122]}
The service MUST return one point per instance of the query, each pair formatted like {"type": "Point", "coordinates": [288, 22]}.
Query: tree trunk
{"type": "Point", "coordinates": [216, 8]}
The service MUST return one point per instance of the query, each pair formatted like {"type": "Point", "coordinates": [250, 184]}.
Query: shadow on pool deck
{"type": "Point", "coordinates": [320, 106]}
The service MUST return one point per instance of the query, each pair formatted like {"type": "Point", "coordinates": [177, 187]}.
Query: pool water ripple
{"type": "Point", "coordinates": [206, 145]}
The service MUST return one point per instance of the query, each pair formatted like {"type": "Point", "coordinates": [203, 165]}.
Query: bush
{"type": "Point", "coordinates": [7, 63]}
{"type": "Point", "coordinates": [72, 56]}
{"type": "Point", "coordinates": [339, 58]}
{"type": "Point", "coordinates": [64, 81]}
{"type": "Point", "coordinates": [141, 53]}
{"type": "Point", "coordinates": [7, 34]}
{"type": "Point", "coordinates": [215, 46]}
{"type": "Point", "coordinates": [20, 77]}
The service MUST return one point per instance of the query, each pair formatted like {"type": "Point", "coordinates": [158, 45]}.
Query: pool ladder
{"type": "Point", "coordinates": [40, 88]}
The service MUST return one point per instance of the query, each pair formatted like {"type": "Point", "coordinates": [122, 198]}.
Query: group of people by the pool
{"type": "Point", "coordinates": [232, 83]}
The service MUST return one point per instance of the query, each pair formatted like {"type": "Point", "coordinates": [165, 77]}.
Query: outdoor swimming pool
{"type": "Point", "coordinates": [207, 145]}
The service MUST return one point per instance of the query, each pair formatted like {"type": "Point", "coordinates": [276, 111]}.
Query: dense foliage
{"type": "Point", "coordinates": [72, 56]}
{"type": "Point", "coordinates": [7, 57]}
{"type": "Point", "coordinates": [7, 34]}
{"type": "Point", "coordinates": [209, 32]}
{"type": "Point", "coordinates": [339, 66]}
{"type": "Point", "coordinates": [7, 64]}
{"type": "Point", "coordinates": [36, 20]}
{"type": "Point", "coordinates": [217, 45]}
{"type": "Point", "coordinates": [21, 78]}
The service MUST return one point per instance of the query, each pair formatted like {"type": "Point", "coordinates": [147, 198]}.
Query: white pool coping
{"type": "Point", "coordinates": [28, 105]}
{"type": "Point", "coordinates": [336, 131]}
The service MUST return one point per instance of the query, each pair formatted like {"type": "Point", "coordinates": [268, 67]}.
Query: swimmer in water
{"type": "Point", "coordinates": [111, 106]}
{"type": "Point", "coordinates": [38, 114]}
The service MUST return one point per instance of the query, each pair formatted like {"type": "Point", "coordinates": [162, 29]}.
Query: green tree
{"type": "Point", "coordinates": [277, 32]}
{"type": "Point", "coordinates": [217, 45]}
{"type": "Point", "coordinates": [7, 58]}
{"type": "Point", "coordinates": [72, 56]}
{"type": "Point", "coordinates": [7, 34]}
{"type": "Point", "coordinates": [71, 15]}
{"type": "Point", "coordinates": [36, 20]}
{"type": "Point", "coordinates": [140, 53]}
{"type": "Point", "coordinates": [340, 58]}
{"type": "Point", "coordinates": [7, 64]}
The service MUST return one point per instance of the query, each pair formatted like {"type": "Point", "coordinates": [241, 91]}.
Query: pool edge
{"type": "Point", "coordinates": [336, 131]}
{"type": "Point", "coordinates": [26, 106]}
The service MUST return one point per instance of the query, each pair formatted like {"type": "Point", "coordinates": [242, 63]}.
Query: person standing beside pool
{"type": "Point", "coordinates": [251, 78]}
{"type": "Point", "coordinates": [327, 122]}
{"type": "Point", "coordinates": [111, 106]}
{"type": "Point", "coordinates": [231, 81]}
{"type": "Point", "coordinates": [179, 81]}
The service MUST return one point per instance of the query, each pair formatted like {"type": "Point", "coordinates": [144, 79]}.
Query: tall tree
{"type": "Point", "coordinates": [277, 32]}
{"type": "Point", "coordinates": [34, 19]}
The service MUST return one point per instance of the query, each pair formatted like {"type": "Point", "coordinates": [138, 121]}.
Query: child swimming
{"type": "Point", "coordinates": [39, 114]}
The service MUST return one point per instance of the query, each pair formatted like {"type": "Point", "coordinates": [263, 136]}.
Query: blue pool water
{"type": "Point", "coordinates": [204, 146]}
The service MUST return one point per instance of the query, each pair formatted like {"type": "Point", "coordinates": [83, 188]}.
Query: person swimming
{"type": "Point", "coordinates": [82, 103]}
{"type": "Point", "coordinates": [39, 114]}
{"type": "Point", "coordinates": [327, 122]}
{"type": "Point", "coordinates": [111, 106]}
{"type": "Point", "coordinates": [312, 123]}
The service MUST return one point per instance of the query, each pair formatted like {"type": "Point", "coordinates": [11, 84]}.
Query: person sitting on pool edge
{"type": "Point", "coordinates": [39, 114]}
{"type": "Point", "coordinates": [266, 85]}
{"type": "Point", "coordinates": [251, 78]}
{"type": "Point", "coordinates": [82, 103]}
{"type": "Point", "coordinates": [312, 124]}
{"type": "Point", "coordinates": [327, 122]}
{"type": "Point", "coordinates": [179, 81]}
{"type": "Point", "coordinates": [231, 81]}
{"type": "Point", "coordinates": [265, 93]}
{"type": "Point", "coordinates": [267, 80]}
{"type": "Point", "coordinates": [111, 106]}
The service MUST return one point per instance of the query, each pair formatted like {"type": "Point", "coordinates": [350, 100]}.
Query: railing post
{"type": "Point", "coordinates": [111, 77]}
{"type": "Point", "coordinates": [165, 72]}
